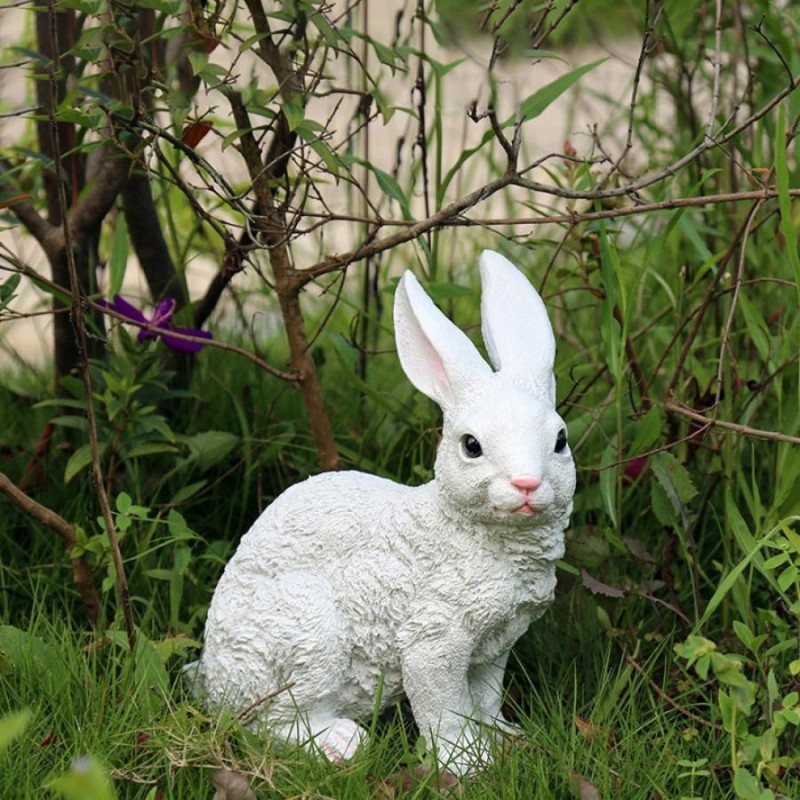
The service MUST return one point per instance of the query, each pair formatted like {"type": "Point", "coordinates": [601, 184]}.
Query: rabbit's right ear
{"type": "Point", "coordinates": [438, 358]}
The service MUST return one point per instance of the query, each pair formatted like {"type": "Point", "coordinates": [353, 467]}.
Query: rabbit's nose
{"type": "Point", "coordinates": [526, 482]}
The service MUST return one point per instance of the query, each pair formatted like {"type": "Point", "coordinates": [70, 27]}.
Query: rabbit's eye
{"type": "Point", "coordinates": [471, 446]}
{"type": "Point", "coordinates": [561, 441]}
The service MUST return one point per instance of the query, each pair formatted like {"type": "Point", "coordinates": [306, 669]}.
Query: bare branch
{"type": "Point", "coordinates": [81, 573]}
{"type": "Point", "coordinates": [673, 407]}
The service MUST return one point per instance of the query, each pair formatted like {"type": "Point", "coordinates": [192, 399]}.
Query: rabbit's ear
{"type": "Point", "coordinates": [516, 329]}
{"type": "Point", "coordinates": [438, 358]}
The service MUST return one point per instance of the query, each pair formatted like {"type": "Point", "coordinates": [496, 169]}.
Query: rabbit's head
{"type": "Point", "coordinates": [504, 458]}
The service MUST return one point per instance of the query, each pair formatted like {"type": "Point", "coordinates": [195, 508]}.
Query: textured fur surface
{"type": "Point", "coordinates": [349, 582]}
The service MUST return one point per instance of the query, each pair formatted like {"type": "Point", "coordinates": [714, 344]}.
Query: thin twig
{"type": "Point", "coordinates": [80, 331]}
{"type": "Point", "coordinates": [673, 407]}
{"type": "Point", "coordinates": [248, 710]}
{"type": "Point", "coordinates": [667, 699]}
{"type": "Point", "coordinates": [726, 330]}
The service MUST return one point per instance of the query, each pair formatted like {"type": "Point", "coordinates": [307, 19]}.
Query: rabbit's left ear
{"type": "Point", "coordinates": [516, 329]}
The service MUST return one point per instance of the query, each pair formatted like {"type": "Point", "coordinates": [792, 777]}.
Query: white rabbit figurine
{"type": "Point", "coordinates": [349, 581]}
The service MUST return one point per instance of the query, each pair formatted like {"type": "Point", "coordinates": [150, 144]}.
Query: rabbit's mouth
{"type": "Point", "coordinates": [525, 509]}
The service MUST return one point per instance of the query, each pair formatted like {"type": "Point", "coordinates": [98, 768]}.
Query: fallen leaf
{"type": "Point", "coordinates": [405, 780]}
{"type": "Point", "coordinates": [582, 788]}
{"type": "Point", "coordinates": [232, 785]}
{"type": "Point", "coordinates": [638, 549]}
{"type": "Point", "coordinates": [598, 587]}
{"type": "Point", "coordinates": [587, 729]}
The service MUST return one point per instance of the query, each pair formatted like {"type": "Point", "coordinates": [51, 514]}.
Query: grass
{"type": "Point", "coordinates": [597, 724]}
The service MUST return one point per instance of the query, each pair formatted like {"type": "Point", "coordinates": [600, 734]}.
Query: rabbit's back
{"type": "Point", "coordinates": [324, 574]}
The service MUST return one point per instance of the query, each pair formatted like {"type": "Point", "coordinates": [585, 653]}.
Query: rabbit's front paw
{"type": "Point", "coordinates": [469, 753]}
{"type": "Point", "coordinates": [341, 739]}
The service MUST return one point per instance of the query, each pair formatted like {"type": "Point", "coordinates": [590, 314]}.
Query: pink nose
{"type": "Point", "coordinates": [527, 483]}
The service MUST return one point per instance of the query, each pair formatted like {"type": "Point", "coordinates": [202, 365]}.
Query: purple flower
{"type": "Point", "coordinates": [162, 318]}
{"type": "Point", "coordinates": [634, 468]}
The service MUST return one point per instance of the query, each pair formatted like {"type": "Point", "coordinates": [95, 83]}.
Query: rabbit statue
{"type": "Point", "coordinates": [349, 585]}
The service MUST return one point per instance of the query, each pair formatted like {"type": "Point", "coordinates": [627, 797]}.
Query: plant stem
{"type": "Point", "coordinates": [79, 326]}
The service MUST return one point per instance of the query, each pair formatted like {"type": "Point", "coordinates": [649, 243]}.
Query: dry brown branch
{"type": "Point", "coordinates": [673, 407]}
{"type": "Point", "coordinates": [271, 224]}
{"type": "Point", "coordinates": [81, 573]}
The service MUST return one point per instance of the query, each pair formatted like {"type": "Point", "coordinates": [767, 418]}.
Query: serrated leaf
{"type": "Point", "coordinates": [149, 449]}
{"type": "Point", "coordinates": [598, 587]}
{"type": "Point", "coordinates": [675, 479]}
{"type": "Point", "coordinates": [662, 507]}
{"type": "Point", "coordinates": [175, 645]}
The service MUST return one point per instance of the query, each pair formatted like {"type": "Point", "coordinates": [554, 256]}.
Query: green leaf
{"type": "Point", "coordinates": [123, 502]}
{"type": "Point", "coordinates": [532, 106]}
{"type": "Point", "coordinates": [210, 447]}
{"type": "Point", "coordinates": [71, 421]}
{"type": "Point", "coordinates": [776, 561]}
{"type": "Point", "coordinates": [26, 654]}
{"type": "Point", "coordinates": [149, 449]}
{"type": "Point", "coordinates": [756, 325]}
{"type": "Point", "coordinates": [178, 528]}
{"type": "Point", "coordinates": [175, 645]}
{"type": "Point", "coordinates": [748, 787]}
{"type": "Point", "coordinates": [386, 182]}
{"type": "Point", "coordinates": [386, 55]}
{"type": "Point", "coordinates": [440, 292]}
{"type": "Point", "coordinates": [13, 725]}
{"type": "Point", "coordinates": [7, 289]}
{"type": "Point", "coordinates": [752, 549]}
{"type": "Point", "coordinates": [63, 297]}
{"type": "Point", "coordinates": [294, 113]}
{"type": "Point", "coordinates": [87, 780]}
{"type": "Point", "coordinates": [81, 459]}
{"type": "Point", "coordinates": [608, 482]}
{"type": "Point", "coordinates": [648, 431]}
{"type": "Point", "coordinates": [185, 492]}
{"type": "Point", "coordinates": [787, 578]}
{"type": "Point", "coordinates": [328, 157]}
{"type": "Point", "coordinates": [782, 181]}
{"type": "Point", "coordinates": [676, 485]}
{"type": "Point", "coordinates": [118, 260]}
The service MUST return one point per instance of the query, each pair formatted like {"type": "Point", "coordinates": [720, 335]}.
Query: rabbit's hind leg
{"type": "Point", "coordinates": [337, 738]}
